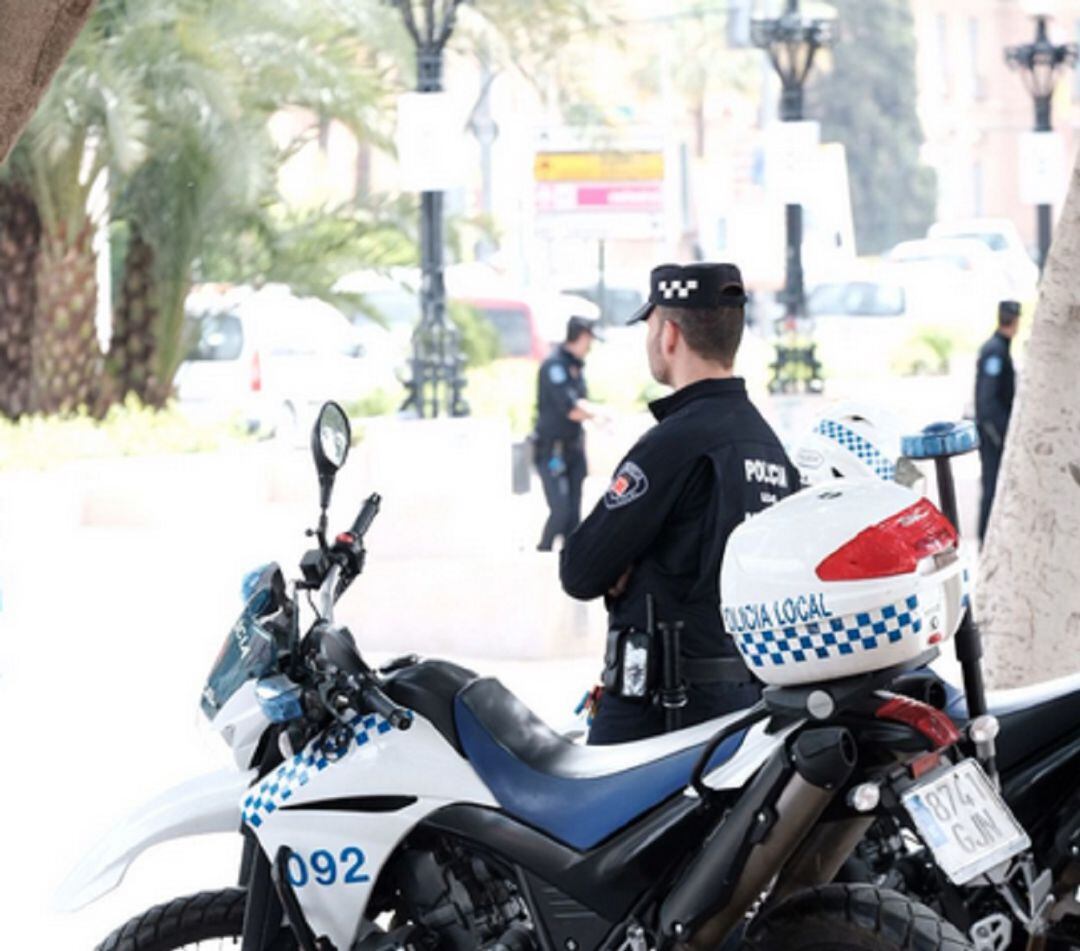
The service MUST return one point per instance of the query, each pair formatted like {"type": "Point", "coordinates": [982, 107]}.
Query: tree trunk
{"type": "Point", "coordinates": [1029, 580]}
{"type": "Point", "coordinates": [20, 236]}
{"type": "Point", "coordinates": [34, 40]}
{"type": "Point", "coordinates": [68, 366]}
{"type": "Point", "coordinates": [133, 352]}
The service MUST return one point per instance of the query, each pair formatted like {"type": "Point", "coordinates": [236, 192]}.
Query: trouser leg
{"type": "Point", "coordinates": [576, 468]}
{"type": "Point", "coordinates": [990, 457]}
{"type": "Point", "coordinates": [556, 492]}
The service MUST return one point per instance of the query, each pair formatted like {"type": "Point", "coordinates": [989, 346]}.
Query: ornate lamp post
{"type": "Point", "coordinates": [1040, 64]}
{"type": "Point", "coordinates": [437, 363]}
{"type": "Point", "coordinates": [791, 41]}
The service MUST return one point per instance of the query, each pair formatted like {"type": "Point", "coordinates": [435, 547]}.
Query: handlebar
{"type": "Point", "coordinates": [368, 511]}
{"type": "Point", "coordinates": [372, 696]}
{"type": "Point", "coordinates": [336, 645]}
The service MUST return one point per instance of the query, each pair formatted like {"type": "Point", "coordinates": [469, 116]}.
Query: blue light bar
{"type": "Point", "coordinates": [941, 439]}
{"type": "Point", "coordinates": [279, 698]}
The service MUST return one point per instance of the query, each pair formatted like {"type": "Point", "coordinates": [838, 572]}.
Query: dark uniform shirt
{"type": "Point", "coordinates": [995, 386]}
{"type": "Point", "coordinates": [560, 384]}
{"type": "Point", "coordinates": [709, 462]}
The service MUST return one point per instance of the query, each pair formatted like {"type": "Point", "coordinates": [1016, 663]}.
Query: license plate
{"type": "Point", "coordinates": [964, 821]}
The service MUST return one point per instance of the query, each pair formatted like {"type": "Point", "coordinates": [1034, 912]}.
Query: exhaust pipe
{"type": "Point", "coordinates": [757, 836]}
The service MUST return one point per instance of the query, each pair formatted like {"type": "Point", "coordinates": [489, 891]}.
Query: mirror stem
{"type": "Point", "coordinates": [320, 532]}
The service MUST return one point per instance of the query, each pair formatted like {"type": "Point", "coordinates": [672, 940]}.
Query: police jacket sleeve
{"type": "Point", "coordinates": [625, 522]}
{"type": "Point", "coordinates": [991, 404]}
{"type": "Point", "coordinates": [561, 395]}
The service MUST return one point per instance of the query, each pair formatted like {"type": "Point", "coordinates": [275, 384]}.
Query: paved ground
{"type": "Point", "coordinates": [106, 635]}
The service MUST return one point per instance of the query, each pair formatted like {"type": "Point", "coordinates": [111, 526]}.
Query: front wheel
{"type": "Point", "coordinates": [851, 918]}
{"type": "Point", "coordinates": [196, 921]}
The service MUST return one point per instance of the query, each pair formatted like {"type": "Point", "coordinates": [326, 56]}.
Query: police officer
{"type": "Point", "coordinates": [559, 444]}
{"type": "Point", "coordinates": [653, 544]}
{"type": "Point", "coordinates": [995, 386]}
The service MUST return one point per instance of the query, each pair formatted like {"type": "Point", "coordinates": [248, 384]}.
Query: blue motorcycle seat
{"type": "Point", "coordinates": [578, 794]}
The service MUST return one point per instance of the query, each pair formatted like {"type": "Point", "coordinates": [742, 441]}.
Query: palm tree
{"type": "Point", "coordinates": [206, 160]}
{"type": "Point", "coordinates": [20, 236]}
{"type": "Point", "coordinates": [212, 74]}
{"type": "Point", "coordinates": [90, 121]}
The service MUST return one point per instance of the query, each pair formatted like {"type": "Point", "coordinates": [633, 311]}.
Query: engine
{"type": "Point", "coordinates": [456, 899]}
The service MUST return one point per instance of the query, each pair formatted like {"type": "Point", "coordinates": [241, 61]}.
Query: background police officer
{"type": "Point", "coordinates": [659, 532]}
{"type": "Point", "coordinates": [995, 386]}
{"type": "Point", "coordinates": [559, 447]}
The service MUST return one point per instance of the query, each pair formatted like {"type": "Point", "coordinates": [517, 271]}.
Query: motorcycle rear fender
{"type": "Point", "coordinates": [199, 806]}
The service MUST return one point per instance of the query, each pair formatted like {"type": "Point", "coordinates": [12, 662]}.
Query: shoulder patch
{"type": "Point", "coordinates": [557, 374]}
{"type": "Point", "coordinates": [629, 484]}
{"type": "Point", "coordinates": [993, 365]}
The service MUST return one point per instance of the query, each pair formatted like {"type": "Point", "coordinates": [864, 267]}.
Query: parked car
{"type": "Point", "coordinates": [1002, 238]}
{"type": "Point", "coordinates": [618, 300]}
{"type": "Point", "coordinates": [963, 272]}
{"type": "Point", "coordinates": [860, 320]}
{"type": "Point", "coordinates": [271, 358]}
{"type": "Point", "coordinates": [526, 322]}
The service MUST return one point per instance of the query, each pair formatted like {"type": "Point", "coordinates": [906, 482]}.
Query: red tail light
{"type": "Point", "coordinates": [892, 547]}
{"type": "Point", "coordinates": [934, 724]}
{"type": "Point", "coordinates": [256, 373]}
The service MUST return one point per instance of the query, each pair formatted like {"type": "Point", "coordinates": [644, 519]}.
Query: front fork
{"type": "Point", "coordinates": [271, 901]}
{"type": "Point", "coordinates": [262, 909]}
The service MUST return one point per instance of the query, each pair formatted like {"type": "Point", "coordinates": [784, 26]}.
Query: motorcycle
{"type": "Point", "coordinates": [1029, 740]}
{"type": "Point", "coordinates": [419, 805]}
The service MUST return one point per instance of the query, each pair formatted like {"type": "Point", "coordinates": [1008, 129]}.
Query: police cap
{"type": "Point", "coordinates": [693, 287]}
{"type": "Point", "coordinates": [1008, 311]}
{"type": "Point", "coordinates": [575, 326]}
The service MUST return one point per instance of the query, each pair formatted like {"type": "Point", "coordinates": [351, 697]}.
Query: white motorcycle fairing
{"type": "Point", "coordinates": [343, 817]}
{"type": "Point", "coordinates": [200, 806]}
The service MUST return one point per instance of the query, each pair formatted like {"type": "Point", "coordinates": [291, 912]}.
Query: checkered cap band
{"type": "Point", "coordinates": [279, 787]}
{"type": "Point", "coordinates": [831, 637]}
{"type": "Point", "coordinates": [862, 448]}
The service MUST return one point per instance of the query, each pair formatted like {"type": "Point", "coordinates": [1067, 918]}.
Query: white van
{"type": "Point", "coordinates": [270, 359]}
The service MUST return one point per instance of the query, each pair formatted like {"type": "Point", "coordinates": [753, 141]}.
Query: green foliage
{"type": "Point", "coordinates": [128, 429]}
{"type": "Point", "coordinates": [376, 403]}
{"type": "Point", "coordinates": [928, 352]}
{"type": "Point", "coordinates": [504, 389]}
{"type": "Point", "coordinates": [309, 250]}
{"type": "Point", "coordinates": [867, 102]}
{"type": "Point", "coordinates": [479, 341]}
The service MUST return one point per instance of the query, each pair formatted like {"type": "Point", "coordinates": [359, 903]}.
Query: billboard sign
{"type": "Point", "coordinates": [601, 192]}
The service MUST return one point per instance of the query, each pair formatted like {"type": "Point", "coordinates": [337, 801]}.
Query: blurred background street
{"type": "Point", "coordinates": [221, 216]}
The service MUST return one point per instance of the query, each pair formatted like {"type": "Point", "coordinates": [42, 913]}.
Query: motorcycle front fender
{"type": "Point", "coordinates": [199, 806]}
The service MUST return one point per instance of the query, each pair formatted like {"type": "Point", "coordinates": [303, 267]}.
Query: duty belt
{"type": "Point", "coordinates": [715, 670]}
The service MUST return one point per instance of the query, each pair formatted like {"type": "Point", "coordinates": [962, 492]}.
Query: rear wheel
{"type": "Point", "coordinates": [206, 920]}
{"type": "Point", "coordinates": [852, 918]}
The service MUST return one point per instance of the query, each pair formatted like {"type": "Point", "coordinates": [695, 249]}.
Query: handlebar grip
{"type": "Point", "coordinates": [380, 703]}
{"type": "Point", "coordinates": [368, 511]}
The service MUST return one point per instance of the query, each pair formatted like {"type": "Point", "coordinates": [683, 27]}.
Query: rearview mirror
{"type": "Point", "coordinates": [330, 440]}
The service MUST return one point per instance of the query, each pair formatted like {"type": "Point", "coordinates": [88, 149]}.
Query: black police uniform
{"type": "Point", "coordinates": [559, 447]}
{"type": "Point", "coordinates": [995, 386]}
{"type": "Point", "coordinates": [710, 461]}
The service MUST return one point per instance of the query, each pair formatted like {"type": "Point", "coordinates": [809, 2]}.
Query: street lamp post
{"type": "Point", "coordinates": [1040, 63]}
{"type": "Point", "coordinates": [792, 41]}
{"type": "Point", "coordinates": [437, 380]}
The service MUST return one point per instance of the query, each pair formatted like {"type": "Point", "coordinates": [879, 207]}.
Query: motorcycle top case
{"type": "Point", "coordinates": [841, 579]}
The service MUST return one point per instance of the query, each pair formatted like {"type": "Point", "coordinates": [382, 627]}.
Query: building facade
{"type": "Point", "coordinates": [975, 110]}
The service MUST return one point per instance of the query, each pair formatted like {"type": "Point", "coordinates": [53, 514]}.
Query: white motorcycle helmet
{"type": "Point", "coordinates": [854, 441]}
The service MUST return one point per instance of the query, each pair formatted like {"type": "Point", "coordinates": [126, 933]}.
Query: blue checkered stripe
{"type": "Point", "coordinates": [279, 788]}
{"type": "Point", "coordinates": [832, 637]}
{"type": "Point", "coordinates": [965, 599]}
{"type": "Point", "coordinates": [863, 448]}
